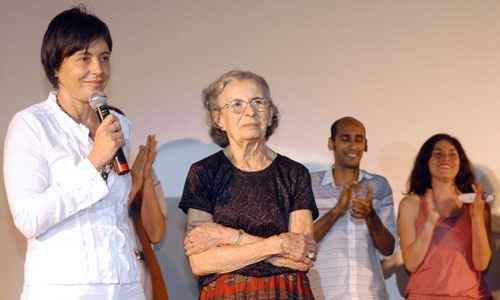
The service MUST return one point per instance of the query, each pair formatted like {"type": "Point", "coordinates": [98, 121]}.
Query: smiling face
{"type": "Point", "coordinates": [248, 126]}
{"type": "Point", "coordinates": [85, 72]}
{"type": "Point", "coordinates": [349, 144]}
{"type": "Point", "coordinates": [444, 163]}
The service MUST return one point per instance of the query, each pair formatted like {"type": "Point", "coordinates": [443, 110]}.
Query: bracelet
{"type": "Point", "coordinates": [239, 237]}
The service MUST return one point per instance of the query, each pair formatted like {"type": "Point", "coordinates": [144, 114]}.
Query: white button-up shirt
{"type": "Point", "coordinates": [348, 264]}
{"type": "Point", "coordinates": [76, 224]}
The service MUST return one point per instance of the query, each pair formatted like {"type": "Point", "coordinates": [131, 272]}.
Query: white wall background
{"type": "Point", "coordinates": [407, 69]}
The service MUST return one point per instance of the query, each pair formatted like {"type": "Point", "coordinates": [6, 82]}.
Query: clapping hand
{"type": "Point", "coordinates": [478, 206]}
{"type": "Point", "coordinates": [432, 212]}
{"type": "Point", "coordinates": [142, 169]}
{"type": "Point", "coordinates": [344, 200]}
{"type": "Point", "coordinates": [362, 207]}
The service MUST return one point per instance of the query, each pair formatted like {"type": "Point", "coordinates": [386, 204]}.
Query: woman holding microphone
{"type": "Point", "coordinates": [64, 196]}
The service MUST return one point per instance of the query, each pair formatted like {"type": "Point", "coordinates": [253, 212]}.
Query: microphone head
{"type": "Point", "coordinates": [97, 100]}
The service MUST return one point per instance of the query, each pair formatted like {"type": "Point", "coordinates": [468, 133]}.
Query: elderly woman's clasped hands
{"type": "Point", "coordinates": [298, 247]}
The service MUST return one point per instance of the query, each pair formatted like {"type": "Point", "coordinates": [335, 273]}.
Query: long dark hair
{"type": "Point", "coordinates": [420, 178]}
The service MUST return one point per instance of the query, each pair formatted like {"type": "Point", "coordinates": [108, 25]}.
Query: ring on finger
{"type": "Point", "coordinates": [310, 255]}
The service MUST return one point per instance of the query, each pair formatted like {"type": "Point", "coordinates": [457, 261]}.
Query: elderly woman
{"type": "Point", "coordinates": [64, 196]}
{"type": "Point", "coordinates": [444, 241]}
{"type": "Point", "coordinates": [250, 210]}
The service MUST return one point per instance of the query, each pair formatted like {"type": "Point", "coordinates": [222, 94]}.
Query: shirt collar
{"type": "Point", "coordinates": [63, 116]}
{"type": "Point", "coordinates": [328, 178]}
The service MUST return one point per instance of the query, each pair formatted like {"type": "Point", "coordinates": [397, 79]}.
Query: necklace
{"type": "Point", "coordinates": [64, 111]}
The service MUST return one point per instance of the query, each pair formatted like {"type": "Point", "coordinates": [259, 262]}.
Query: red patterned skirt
{"type": "Point", "coordinates": [289, 286]}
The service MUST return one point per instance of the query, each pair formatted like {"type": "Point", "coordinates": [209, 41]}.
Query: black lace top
{"type": "Point", "coordinates": [257, 202]}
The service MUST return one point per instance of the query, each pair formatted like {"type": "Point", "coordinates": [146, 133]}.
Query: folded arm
{"type": "Point", "coordinates": [227, 258]}
{"type": "Point", "coordinates": [213, 248]}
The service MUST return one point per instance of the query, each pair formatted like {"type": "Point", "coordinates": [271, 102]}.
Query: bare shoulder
{"type": "Point", "coordinates": [409, 205]}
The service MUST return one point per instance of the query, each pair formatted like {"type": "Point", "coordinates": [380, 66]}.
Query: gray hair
{"type": "Point", "coordinates": [212, 92]}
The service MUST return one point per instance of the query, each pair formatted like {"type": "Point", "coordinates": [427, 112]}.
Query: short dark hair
{"type": "Point", "coordinates": [335, 126]}
{"type": "Point", "coordinates": [420, 178]}
{"type": "Point", "coordinates": [70, 31]}
{"type": "Point", "coordinates": [212, 92]}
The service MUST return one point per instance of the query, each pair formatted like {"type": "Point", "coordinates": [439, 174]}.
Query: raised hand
{"type": "Point", "coordinates": [478, 206]}
{"type": "Point", "coordinates": [137, 170]}
{"type": "Point", "coordinates": [362, 207]}
{"type": "Point", "coordinates": [151, 143]}
{"type": "Point", "coordinates": [345, 198]}
{"type": "Point", "coordinates": [142, 168]}
{"type": "Point", "coordinates": [107, 140]}
{"type": "Point", "coordinates": [432, 212]}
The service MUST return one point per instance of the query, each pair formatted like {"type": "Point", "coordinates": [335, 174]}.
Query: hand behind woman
{"type": "Point", "coordinates": [142, 169]}
{"type": "Point", "coordinates": [151, 143]}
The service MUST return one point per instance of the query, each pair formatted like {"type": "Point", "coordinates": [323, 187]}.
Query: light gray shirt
{"type": "Point", "coordinates": [348, 264]}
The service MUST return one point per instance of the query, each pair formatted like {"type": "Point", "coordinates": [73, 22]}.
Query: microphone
{"type": "Point", "coordinates": [98, 103]}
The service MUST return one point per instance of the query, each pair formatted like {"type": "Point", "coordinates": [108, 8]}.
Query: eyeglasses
{"type": "Point", "coordinates": [238, 106]}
